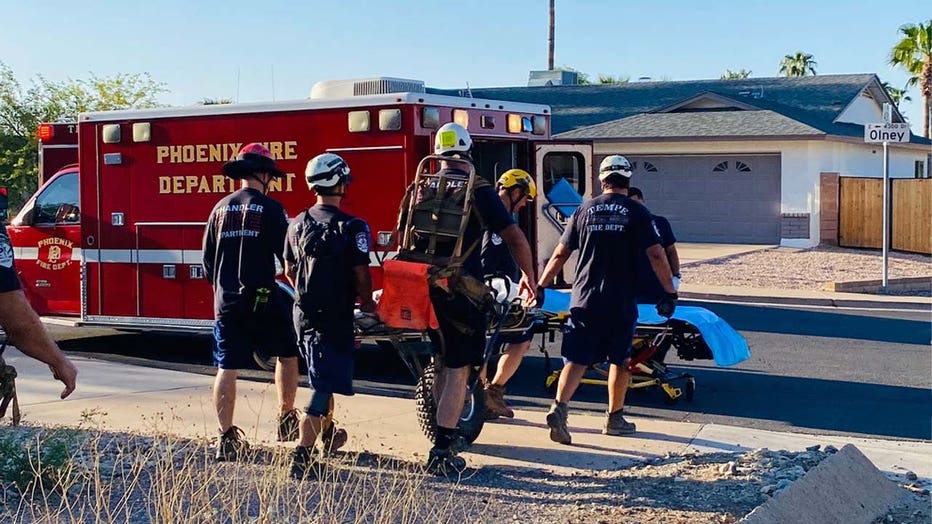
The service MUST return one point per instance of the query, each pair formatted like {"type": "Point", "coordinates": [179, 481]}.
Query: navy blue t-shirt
{"type": "Point", "coordinates": [609, 231]}
{"type": "Point", "coordinates": [9, 281]}
{"type": "Point", "coordinates": [497, 259]}
{"type": "Point", "coordinates": [649, 288]}
{"type": "Point", "coordinates": [243, 238]}
{"type": "Point", "coordinates": [357, 240]}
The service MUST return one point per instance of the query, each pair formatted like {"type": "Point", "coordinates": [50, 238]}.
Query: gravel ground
{"type": "Point", "coordinates": [810, 269]}
{"type": "Point", "coordinates": [125, 478]}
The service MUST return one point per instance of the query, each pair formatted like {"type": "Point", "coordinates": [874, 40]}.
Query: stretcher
{"type": "Point", "coordinates": [694, 332]}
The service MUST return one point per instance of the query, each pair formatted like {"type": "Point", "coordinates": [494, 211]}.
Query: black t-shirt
{"type": "Point", "coordinates": [9, 281]}
{"type": "Point", "coordinates": [494, 219]}
{"type": "Point", "coordinates": [649, 288]}
{"type": "Point", "coordinates": [357, 239]}
{"type": "Point", "coordinates": [497, 259]}
{"type": "Point", "coordinates": [243, 238]}
{"type": "Point", "coordinates": [609, 231]}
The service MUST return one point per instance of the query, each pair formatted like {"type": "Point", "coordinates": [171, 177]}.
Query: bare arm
{"type": "Point", "coordinates": [364, 288]}
{"type": "Point", "coordinates": [560, 255]}
{"type": "Point", "coordinates": [26, 332]}
{"type": "Point", "coordinates": [290, 272]}
{"type": "Point", "coordinates": [673, 258]}
{"type": "Point", "coordinates": [658, 261]}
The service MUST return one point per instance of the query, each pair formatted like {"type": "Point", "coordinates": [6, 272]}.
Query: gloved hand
{"type": "Point", "coordinates": [540, 295]}
{"type": "Point", "coordinates": [667, 305]}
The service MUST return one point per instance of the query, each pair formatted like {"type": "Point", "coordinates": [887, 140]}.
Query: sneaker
{"type": "Point", "coordinates": [444, 463]}
{"type": "Point", "coordinates": [495, 403]}
{"type": "Point", "coordinates": [332, 438]}
{"type": "Point", "coordinates": [615, 424]}
{"type": "Point", "coordinates": [232, 445]}
{"type": "Point", "coordinates": [288, 426]}
{"type": "Point", "coordinates": [304, 465]}
{"type": "Point", "coordinates": [556, 420]}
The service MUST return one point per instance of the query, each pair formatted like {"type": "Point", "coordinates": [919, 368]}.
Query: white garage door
{"type": "Point", "coordinates": [714, 198]}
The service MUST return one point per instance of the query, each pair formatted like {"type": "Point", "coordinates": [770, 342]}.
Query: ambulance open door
{"type": "Point", "coordinates": [563, 173]}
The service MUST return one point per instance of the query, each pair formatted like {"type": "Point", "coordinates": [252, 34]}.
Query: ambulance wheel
{"type": "Point", "coordinates": [471, 419]}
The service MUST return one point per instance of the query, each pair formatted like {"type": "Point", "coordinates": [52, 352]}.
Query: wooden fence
{"type": "Point", "coordinates": [860, 213]}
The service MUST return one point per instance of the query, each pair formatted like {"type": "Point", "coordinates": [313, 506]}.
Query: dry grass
{"type": "Point", "coordinates": [66, 475]}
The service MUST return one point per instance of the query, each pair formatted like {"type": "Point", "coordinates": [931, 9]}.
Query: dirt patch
{"type": "Point", "coordinates": [132, 478]}
{"type": "Point", "coordinates": [809, 269]}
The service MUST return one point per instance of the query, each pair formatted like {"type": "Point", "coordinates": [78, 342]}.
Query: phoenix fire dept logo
{"type": "Point", "coordinates": [54, 253]}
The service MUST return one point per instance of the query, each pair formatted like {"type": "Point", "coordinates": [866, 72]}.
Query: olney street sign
{"type": "Point", "coordinates": [886, 132]}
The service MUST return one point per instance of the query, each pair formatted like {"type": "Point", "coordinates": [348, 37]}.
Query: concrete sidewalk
{"type": "Point", "coordinates": [139, 399]}
{"type": "Point", "coordinates": [802, 297]}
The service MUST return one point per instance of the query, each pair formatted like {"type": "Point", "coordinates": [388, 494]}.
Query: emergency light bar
{"type": "Point", "coordinates": [46, 131]}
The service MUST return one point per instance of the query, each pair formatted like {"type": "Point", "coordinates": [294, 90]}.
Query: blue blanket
{"type": "Point", "coordinates": [727, 345]}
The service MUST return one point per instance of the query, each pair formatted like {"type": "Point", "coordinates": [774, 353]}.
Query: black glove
{"type": "Point", "coordinates": [667, 305]}
{"type": "Point", "coordinates": [540, 296]}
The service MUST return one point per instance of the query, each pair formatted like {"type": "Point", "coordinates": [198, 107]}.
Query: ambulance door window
{"type": "Point", "coordinates": [58, 203]}
{"type": "Point", "coordinates": [564, 165]}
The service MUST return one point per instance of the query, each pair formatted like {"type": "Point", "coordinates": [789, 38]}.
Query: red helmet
{"type": "Point", "coordinates": [252, 158]}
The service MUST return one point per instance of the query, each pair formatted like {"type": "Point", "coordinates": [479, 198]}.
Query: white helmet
{"type": "Point", "coordinates": [614, 165]}
{"type": "Point", "coordinates": [451, 139]}
{"type": "Point", "coordinates": [327, 170]}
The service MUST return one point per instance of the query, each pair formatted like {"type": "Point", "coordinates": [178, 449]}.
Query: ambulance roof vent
{"type": "Point", "coordinates": [365, 86]}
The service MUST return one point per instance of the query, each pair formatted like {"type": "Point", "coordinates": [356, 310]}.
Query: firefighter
{"type": "Point", "coordinates": [23, 328]}
{"type": "Point", "coordinates": [327, 261]}
{"type": "Point", "coordinates": [242, 242]}
{"type": "Point", "coordinates": [462, 327]}
{"type": "Point", "coordinates": [608, 231]}
{"type": "Point", "coordinates": [516, 189]}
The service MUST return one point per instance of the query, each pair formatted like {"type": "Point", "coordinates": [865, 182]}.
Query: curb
{"type": "Point", "coordinates": [805, 301]}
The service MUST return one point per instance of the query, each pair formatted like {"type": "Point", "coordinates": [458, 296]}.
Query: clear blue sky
{"type": "Point", "coordinates": [199, 48]}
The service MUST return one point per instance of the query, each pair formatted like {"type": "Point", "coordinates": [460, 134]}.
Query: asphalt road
{"type": "Point", "coordinates": [824, 371]}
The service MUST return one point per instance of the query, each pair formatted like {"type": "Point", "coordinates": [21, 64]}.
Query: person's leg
{"type": "Point", "coordinates": [618, 380]}
{"type": "Point", "coordinates": [225, 397]}
{"type": "Point", "coordinates": [452, 397]}
{"type": "Point", "coordinates": [570, 378]}
{"type": "Point", "coordinates": [286, 383]}
{"type": "Point", "coordinates": [579, 351]}
{"type": "Point", "coordinates": [509, 362]}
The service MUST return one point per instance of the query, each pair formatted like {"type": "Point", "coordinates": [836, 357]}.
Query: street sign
{"type": "Point", "coordinates": [876, 133]}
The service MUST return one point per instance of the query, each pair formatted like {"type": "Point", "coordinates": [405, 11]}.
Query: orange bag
{"type": "Point", "coordinates": [405, 302]}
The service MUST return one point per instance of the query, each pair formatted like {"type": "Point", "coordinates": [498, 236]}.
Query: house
{"type": "Point", "coordinates": [739, 161]}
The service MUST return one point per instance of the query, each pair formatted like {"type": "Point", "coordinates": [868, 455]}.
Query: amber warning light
{"type": "Point", "coordinates": [46, 131]}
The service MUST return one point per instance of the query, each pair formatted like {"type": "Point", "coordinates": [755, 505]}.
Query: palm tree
{"type": "Point", "coordinates": [898, 95]}
{"type": "Point", "coordinates": [914, 54]}
{"type": "Point", "coordinates": [735, 75]}
{"type": "Point", "coordinates": [800, 64]}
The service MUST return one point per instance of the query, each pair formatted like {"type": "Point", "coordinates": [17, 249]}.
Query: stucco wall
{"type": "Point", "coordinates": [862, 111]}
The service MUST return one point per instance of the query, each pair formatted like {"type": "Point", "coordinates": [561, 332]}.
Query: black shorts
{"type": "Point", "coordinates": [461, 336]}
{"type": "Point", "coordinates": [236, 337]}
{"type": "Point", "coordinates": [589, 340]}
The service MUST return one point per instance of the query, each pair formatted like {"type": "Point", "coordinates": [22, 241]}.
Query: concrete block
{"type": "Point", "coordinates": [845, 488]}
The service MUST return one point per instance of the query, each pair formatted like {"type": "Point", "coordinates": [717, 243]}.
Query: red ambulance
{"type": "Point", "coordinates": [115, 239]}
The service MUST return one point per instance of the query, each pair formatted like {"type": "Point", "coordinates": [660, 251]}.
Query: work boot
{"type": "Point", "coordinates": [231, 445]}
{"type": "Point", "coordinates": [556, 420]}
{"type": "Point", "coordinates": [495, 403]}
{"type": "Point", "coordinates": [332, 438]}
{"type": "Point", "coordinates": [304, 465]}
{"type": "Point", "coordinates": [615, 424]}
{"type": "Point", "coordinates": [288, 426]}
{"type": "Point", "coordinates": [444, 463]}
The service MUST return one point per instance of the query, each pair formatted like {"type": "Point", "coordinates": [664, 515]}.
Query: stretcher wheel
{"type": "Point", "coordinates": [690, 388]}
{"type": "Point", "coordinates": [471, 420]}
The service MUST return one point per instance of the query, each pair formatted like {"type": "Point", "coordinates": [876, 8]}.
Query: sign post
{"type": "Point", "coordinates": [886, 132]}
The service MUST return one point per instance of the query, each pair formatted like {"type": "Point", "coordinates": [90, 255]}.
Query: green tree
{"type": "Point", "coordinates": [735, 75]}
{"type": "Point", "coordinates": [914, 54]}
{"type": "Point", "coordinates": [898, 95]}
{"type": "Point", "coordinates": [611, 80]}
{"type": "Point", "coordinates": [799, 64]}
{"type": "Point", "coordinates": [23, 109]}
